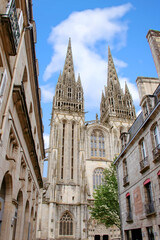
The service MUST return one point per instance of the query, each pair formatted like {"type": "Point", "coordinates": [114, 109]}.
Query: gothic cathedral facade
{"type": "Point", "coordinates": [78, 153]}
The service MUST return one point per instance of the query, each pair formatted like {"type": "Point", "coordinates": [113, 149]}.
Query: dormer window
{"type": "Point", "coordinates": [145, 109]}
{"type": "Point", "coordinates": [124, 139]}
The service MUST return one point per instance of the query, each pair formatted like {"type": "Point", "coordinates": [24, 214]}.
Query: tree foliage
{"type": "Point", "coordinates": [106, 205]}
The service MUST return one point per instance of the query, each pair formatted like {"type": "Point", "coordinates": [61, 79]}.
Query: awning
{"type": "Point", "coordinates": [127, 194]}
{"type": "Point", "coordinates": [158, 173]}
{"type": "Point", "coordinates": [148, 180]}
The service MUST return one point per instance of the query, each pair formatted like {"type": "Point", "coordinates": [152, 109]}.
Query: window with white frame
{"type": "Point", "coordinates": [156, 136]}
{"type": "Point", "coordinates": [143, 150]}
{"type": "Point", "coordinates": [145, 109]}
{"type": "Point", "coordinates": [98, 177]}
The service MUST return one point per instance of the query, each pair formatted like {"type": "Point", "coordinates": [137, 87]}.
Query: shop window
{"type": "Point", "coordinates": [150, 233]}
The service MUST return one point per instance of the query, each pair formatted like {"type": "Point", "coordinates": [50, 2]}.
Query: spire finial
{"type": "Point", "coordinates": [112, 74]}
{"type": "Point", "coordinates": [68, 70]}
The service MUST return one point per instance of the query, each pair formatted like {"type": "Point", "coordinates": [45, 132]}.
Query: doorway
{"type": "Point", "coordinates": [97, 237]}
{"type": "Point", "coordinates": [134, 234]}
{"type": "Point", "coordinates": [105, 237]}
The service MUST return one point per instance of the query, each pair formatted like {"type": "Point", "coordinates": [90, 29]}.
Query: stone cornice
{"type": "Point", "coordinates": [21, 107]}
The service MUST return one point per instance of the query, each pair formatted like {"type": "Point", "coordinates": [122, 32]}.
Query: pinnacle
{"type": "Point", "coordinates": [68, 66]}
{"type": "Point", "coordinates": [79, 80]}
{"type": "Point", "coordinates": [126, 88]}
{"type": "Point", "coordinates": [112, 74]}
{"type": "Point", "coordinates": [60, 77]}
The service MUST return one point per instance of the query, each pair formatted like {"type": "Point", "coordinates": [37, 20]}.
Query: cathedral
{"type": "Point", "coordinates": [78, 153]}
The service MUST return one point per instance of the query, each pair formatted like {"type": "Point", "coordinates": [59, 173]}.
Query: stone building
{"type": "Point", "coordinates": [138, 165]}
{"type": "Point", "coordinates": [78, 153]}
{"type": "Point", "coordinates": [21, 130]}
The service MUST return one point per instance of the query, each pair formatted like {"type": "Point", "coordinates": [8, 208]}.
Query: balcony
{"type": "Point", "coordinates": [144, 165]}
{"type": "Point", "coordinates": [10, 27]}
{"type": "Point", "coordinates": [125, 181]}
{"type": "Point", "coordinates": [129, 217]}
{"type": "Point", "coordinates": [149, 208]}
{"type": "Point", "coordinates": [156, 153]}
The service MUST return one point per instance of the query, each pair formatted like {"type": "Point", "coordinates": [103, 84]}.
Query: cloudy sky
{"type": "Point", "coordinates": [93, 25]}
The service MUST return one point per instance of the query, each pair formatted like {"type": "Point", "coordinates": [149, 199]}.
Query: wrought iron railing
{"type": "Point", "coordinates": [129, 216]}
{"type": "Point", "coordinates": [125, 180]}
{"type": "Point", "coordinates": [144, 164]}
{"type": "Point", "coordinates": [156, 152]}
{"type": "Point", "coordinates": [11, 13]}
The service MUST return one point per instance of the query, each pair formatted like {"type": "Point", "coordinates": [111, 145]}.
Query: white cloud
{"type": "Point", "coordinates": [47, 92]}
{"type": "Point", "coordinates": [46, 140]}
{"type": "Point", "coordinates": [88, 29]}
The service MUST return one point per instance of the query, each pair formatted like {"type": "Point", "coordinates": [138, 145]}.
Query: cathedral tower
{"type": "Point", "coordinates": [65, 190]}
{"type": "Point", "coordinates": [78, 153]}
{"type": "Point", "coordinates": [115, 104]}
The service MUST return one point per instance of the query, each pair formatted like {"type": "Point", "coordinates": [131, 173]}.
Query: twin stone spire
{"type": "Point", "coordinates": [69, 92]}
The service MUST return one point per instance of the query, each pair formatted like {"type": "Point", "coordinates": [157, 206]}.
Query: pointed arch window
{"type": "Point", "coordinates": [101, 145]}
{"type": "Point", "coordinates": [69, 92]}
{"type": "Point", "coordinates": [97, 177]}
{"type": "Point", "coordinates": [63, 140]}
{"type": "Point", "coordinates": [72, 152]}
{"type": "Point", "coordinates": [66, 225]}
{"type": "Point", "coordinates": [97, 144]}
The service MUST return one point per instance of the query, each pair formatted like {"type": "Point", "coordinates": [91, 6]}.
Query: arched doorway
{"type": "Point", "coordinates": [5, 206]}
{"type": "Point", "coordinates": [31, 225]}
{"type": "Point", "coordinates": [26, 227]}
{"type": "Point", "coordinates": [17, 229]}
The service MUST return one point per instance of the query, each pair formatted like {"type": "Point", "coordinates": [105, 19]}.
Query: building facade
{"type": "Point", "coordinates": [138, 165]}
{"type": "Point", "coordinates": [78, 153]}
{"type": "Point", "coordinates": [21, 130]}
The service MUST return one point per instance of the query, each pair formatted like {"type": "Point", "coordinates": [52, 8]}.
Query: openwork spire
{"type": "Point", "coordinates": [68, 70]}
{"type": "Point", "coordinates": [112, 74]}
{"type": "Point", "coordinates": [115, 103]}
{"type": "Point", "coordinates": [69, 93]}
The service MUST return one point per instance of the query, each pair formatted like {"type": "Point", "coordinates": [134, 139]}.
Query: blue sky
{"type": "Point", "coordinates": [92, 26]}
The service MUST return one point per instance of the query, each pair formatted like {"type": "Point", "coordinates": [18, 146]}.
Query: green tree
{"type": "Point", "coordinates": [106, 205]}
